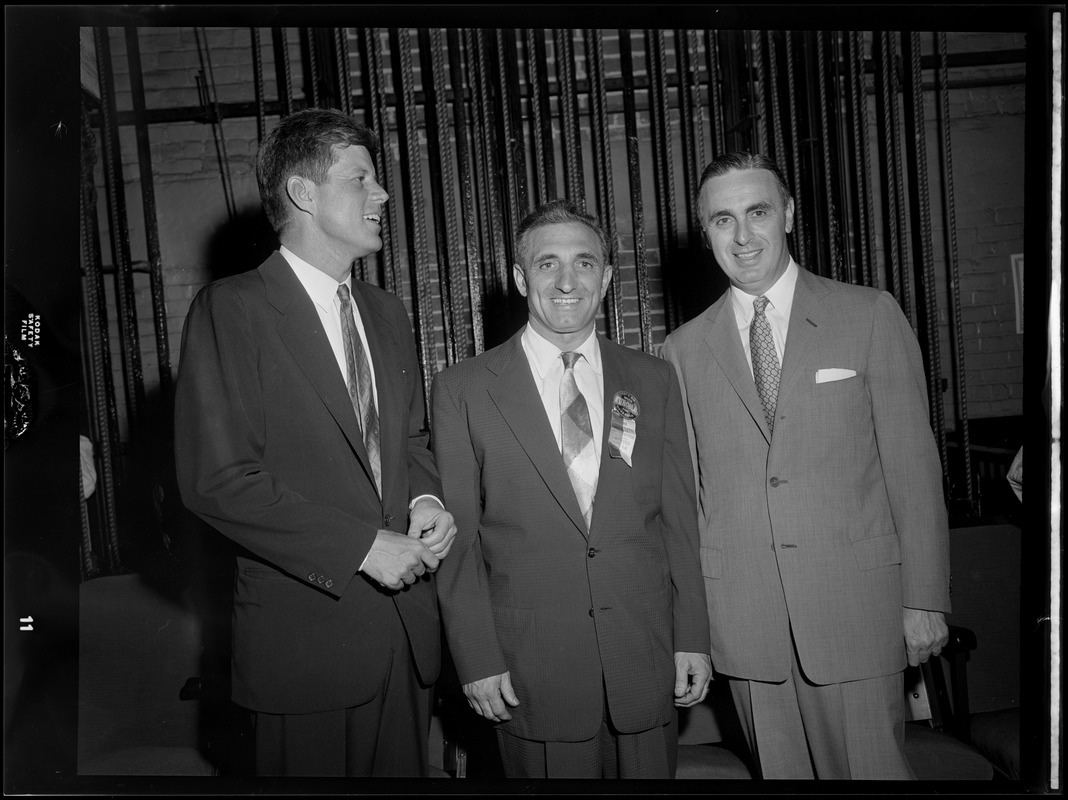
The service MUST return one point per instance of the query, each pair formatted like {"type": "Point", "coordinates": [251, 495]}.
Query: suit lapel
{"type": "Point", "coordinates": [726, 346]}
{"type": "Point", "coordinates": [302, 332]}
{"type": "Point", "coordinates": [516, 397]}
{"type": "Point", "coordinates": [806, 327]}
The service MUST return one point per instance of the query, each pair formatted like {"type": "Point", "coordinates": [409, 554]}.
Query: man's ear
{"type": "Point", "coordinates": [706, 239]}
{"type": "Point", "coordinates": [301, 193]}
{"type": "Point", "coordinates": [790, 215]}
{"type": "Point", "coordinates": [520, 279]}
{"type": "Point", "coordinates": [606, 279]}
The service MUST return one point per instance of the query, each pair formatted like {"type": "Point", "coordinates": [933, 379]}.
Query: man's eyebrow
{"type": "Point", "coordinates": [763, 205]}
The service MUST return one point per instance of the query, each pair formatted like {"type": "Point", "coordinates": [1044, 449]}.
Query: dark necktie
{"type": "Point", "coordinates": [576, 439]}
{"type": "Point", "coordinates": [359, 382]}
{"type": "Point", "coordinates": [765, 360]}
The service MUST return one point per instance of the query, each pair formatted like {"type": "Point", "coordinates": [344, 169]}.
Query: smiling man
{"type": "Point", "coordinates": [301, 435]}
{"type": "Point", "coordinates": [824, 536]}
{"type": "Point", "coordinates": [572, 600]}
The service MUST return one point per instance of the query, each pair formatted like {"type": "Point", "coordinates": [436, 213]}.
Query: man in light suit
{"type": "Point", "coordinates": [572, 601]}
{"type": "Point", "coordinates": [301, 435]}
{"type": "Point", "coordinates": [824, 537]}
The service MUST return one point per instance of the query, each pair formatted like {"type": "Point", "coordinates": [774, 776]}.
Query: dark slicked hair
{"type": "Point", "coordinates": [556, 212]}
{"type": "Point", "coordinates": [303, 144]}
{"type": "Point", "coordinates": [739, 161]}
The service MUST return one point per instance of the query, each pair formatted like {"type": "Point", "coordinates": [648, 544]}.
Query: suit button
{"type": "Point", "coordinates": [320, 579]}
{"type": "Point", "coordinates": [389, 519]}
{"type": "Point", "coordinates": [591, 612]}
{"type": "Point", "coordinates": [591, 552]}
{"type": "Point", "coordinates": [311, 577]}
{"type": "Point", "coordinates": [774, 482]}
{"type": "Point", "coordinates": [328, 584]}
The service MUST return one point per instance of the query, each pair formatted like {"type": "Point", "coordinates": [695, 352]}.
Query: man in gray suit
{"type": "Point", "coordinates": [824, 537]}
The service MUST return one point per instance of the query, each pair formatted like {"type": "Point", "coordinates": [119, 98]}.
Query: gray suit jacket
{"type": "Point", "coordinates": [833, 525]}
{"type": "Point", "coordinates": [572, 616]}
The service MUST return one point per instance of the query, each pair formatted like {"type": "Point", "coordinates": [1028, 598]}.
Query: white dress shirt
{"type": "Point", "coordinates": [548, 370]}
{"type": "Point", "coordinates": [322, 289]}
{"type": "Point", "coordinates": [781, 300]}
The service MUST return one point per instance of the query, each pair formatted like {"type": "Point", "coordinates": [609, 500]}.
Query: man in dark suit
{"type": "Point", "coordinates": [824, 538]}
{"type": "Point", "coordinates": [301, 435]}
{"type": "Point", "coordinates": [572, 602]}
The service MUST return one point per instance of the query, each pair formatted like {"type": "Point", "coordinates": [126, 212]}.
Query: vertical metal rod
{"type": "Point", "coordinates": [506, 56]}
{"type": "Point", "coordinates": [827, 164]}
{"type": "Point", "coordinates": [106, 419]}
{"type": "Point", "coordinates": [692, 72]}
{"type": "Point", "coordinates": [442, 199]}
{"type": "Point", "coordinates": [887, 125]}
{"type": "Point", "coordinates": [148, 199]}
{"type": "Point", "coordinates": [468, 204]}
{"type": "Point", "coordinates": [956, 326]}
{"type": "Point", "coordinates": [754, 46]}
{"type": "Point", "coordinates": [491, 210]}
{"type": "Point", "coordinates": [344, 82]}
{"type": "Point", "coordinates": [311, 91]}
{"type": "Point", "coordinates": [541, 116]}
{"type": "Point", "coordinates": [257, 81]}
{"type": "Point", "coordinates": [842, 157]}
{"type": "Point", "coordinates": [793, 163]}
{"type": "Point", "coordinates": [565, 70]}
{"type": "Point", "coordinates": [715, 94]}
{"type": "Point", "coordinates": [921, 222]}
{"type": "Point", "coordinates": [379, 118]}
{"type": "Point", "coordinates": [602, 163]}
{"type": "Point", "coordinates": [690, 167]}
{"type": "Point", "coordinates": [637, 213]}
{"type": "Point", "coordinates": [120, 237]}
{"type": "Point", "coordinates": [773, 104]}
{"type": "Point", "coordinates": [867, 212]}
{"type": "Point", "coordinates": [898, 162]}
{"type": "Point", "coordinates": [283, 70]}
{"type": "Point", "coordinates": [214, 112]}
{"type": "Point", "coordinates": [663, 172]}
{"type": "Point", "coordinates": [411, 176]}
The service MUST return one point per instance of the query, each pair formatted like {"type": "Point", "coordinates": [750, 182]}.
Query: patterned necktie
{"type": "Point", "coordinates": [359, 382]}
{"type": "Point", "coordinates": [765, 360]}
{"type": "Point", "coordinates": [576, 437]}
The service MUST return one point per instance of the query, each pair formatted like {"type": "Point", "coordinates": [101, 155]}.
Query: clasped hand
{"type": "Point", "coordinates": [397, 560]}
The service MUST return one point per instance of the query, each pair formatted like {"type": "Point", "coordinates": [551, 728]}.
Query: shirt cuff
{"type": "Point", "coordinates": [435, 498]}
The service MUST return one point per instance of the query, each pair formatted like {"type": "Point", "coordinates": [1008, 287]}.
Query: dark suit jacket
{"type": "Point", "coordinates": [269, 452]}
{"type": "Point", "coordinates": [524, 588]}
{"type": "Point", "coordinates": [836, 522]}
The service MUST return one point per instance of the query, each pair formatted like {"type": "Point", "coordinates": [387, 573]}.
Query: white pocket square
{"type": "Point", "coordinates": [833, 374]}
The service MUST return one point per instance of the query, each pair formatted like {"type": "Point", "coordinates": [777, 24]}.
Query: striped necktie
{"type": "Point", "coordinates": [576, 437]}
{"type": "Point", "coordinates": [765, 360]}
{"type": "Point", "coordinates": [359, 383]}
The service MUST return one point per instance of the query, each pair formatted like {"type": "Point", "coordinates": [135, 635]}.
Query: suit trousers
{"type": "Point", "coordinates": [841, 731]}
{"type": "Point", "coordinates": [385, 737]}
{"type": "Point", "coordinates": [609, 754]}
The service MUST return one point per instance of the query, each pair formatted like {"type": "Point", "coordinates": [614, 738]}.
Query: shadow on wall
{"type": "Point", "coordinates": [241, 243]}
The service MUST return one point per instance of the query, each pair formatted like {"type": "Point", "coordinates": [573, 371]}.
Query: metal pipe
{"type": "Point", "coordinates": [565, 70]}
{"type": "Point", "coordinates": [468, 203]}
{"type": "Point", "coordinates": [634, 174]}
{"type": "Point", "coordinates": [411, 177]}
{"type": "Point", "coordinates": [148, 199]}
{"type": "Point", "coordinates": [663, 173]}
{"type": "Point", "coordinates": [956, 326]}
{"type": "Point", "coordinates": [921, 225]}
{"type": "Point", "coordinates": [344, 83]}
{"type": "Point", "coordinates": [283, 70]}
{"type": "Point", "coordinates": [602, 170]}
{"type": "Point", "coordinates": [257, 83]}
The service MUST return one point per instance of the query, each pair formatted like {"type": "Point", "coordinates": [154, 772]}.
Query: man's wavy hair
{"type": "Point", "coordinates": [303, 144]}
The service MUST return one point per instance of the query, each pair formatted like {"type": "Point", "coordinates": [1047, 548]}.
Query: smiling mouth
{"type": "Point", "coordinates": [375, 218]}
{"type": "Point", "coordinates": [750, 255]}
{"type": "Point", "coordinates": [567, 301]}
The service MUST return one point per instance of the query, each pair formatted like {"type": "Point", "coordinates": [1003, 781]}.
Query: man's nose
{"type": "Point", "coordinates": [565, 278]}
{"type": "Point", "coordinates": [742, 235]}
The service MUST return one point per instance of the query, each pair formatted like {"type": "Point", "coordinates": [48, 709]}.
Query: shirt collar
{"type": "Point", "coordinates": [544, 355]}
{"type": "Point", "coordinates": [781, 295]}
{"type": "Point", "coordinates": [320, 287]}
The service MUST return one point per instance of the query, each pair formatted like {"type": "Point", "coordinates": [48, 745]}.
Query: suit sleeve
{"type": "Point", "coordinates": [909, 458]}
{"type": "Point", "coordinates": [679, 525]}
{"type": "Point", "coordinates": [220, 441]}
{"type": "Point", "coordinates": [461, 577]}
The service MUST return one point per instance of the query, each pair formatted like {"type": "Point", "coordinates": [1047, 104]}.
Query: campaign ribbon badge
{"type": "Point", "coordinates": [625, 410]}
